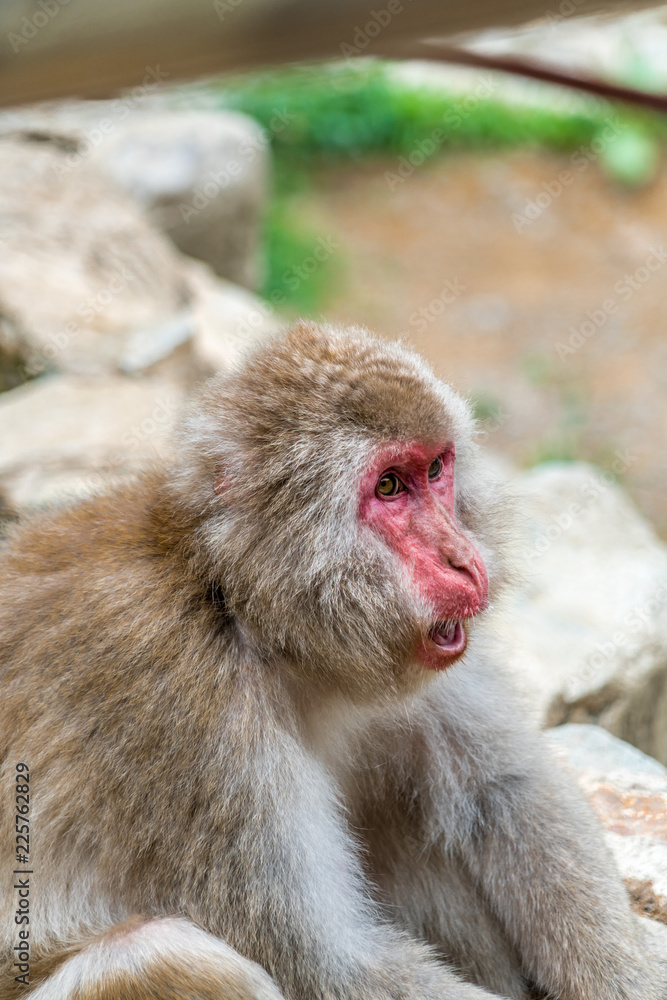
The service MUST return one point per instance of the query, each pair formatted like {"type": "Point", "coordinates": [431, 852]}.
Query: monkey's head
{"type": "Point", "coordinates": [341, 508]}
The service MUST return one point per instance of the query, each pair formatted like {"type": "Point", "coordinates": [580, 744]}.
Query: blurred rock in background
{"type": "Point", "coordinates": [71, 435]}
{"type": "Point", "coordinates": [83, 274]}
{"type": "Point", "coordinates": [588, 629]}
{"type": "Point", "coordinates": [201, 176]}
{"type": "Point", "coordinates": [101, 316]}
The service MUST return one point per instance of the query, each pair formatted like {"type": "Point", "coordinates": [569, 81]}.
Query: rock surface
{"type": "Point", "coordinates": [83, 275]}
{"type": "Point", "coordinates": [67, 435]}
{"type": "Point", "coordinates": [96, 302]}
{"type": "Point", "coordinates": [226, 319]}
{"type": "Point", "coordinates": [588, 631]}
{"type": "Point", "coordinates": [87, 283]}
{"type": "Point", "coordinates": [201, 176]}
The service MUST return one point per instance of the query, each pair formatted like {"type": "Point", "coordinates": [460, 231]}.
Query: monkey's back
{"type": "Point", "coordinates": [113, 671]}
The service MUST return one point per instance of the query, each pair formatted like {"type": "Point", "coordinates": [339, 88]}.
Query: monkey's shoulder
{"type": "Point", "coordinates": [112, 525]}
{"type": "Point", "coordinates": [102, 575]}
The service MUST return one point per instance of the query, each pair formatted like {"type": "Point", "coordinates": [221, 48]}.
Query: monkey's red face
{"type": "Point", "coordinates": [408, 498]}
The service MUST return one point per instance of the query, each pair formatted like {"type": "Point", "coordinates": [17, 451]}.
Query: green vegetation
{"type": "Point", "coordinates": [348, 112]}
{"type": "Point", "coordinates": [299, 275]}
{"type": "Point", "coordinates": [345, 112]}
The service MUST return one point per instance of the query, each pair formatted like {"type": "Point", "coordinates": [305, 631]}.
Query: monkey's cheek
{"type": "Point", "coordinates": [441, 649]}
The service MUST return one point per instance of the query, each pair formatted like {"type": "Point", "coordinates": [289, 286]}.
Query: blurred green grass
{"type": "Point", "coordinates": [349, 112]}
{"type": "Point", "coordinates": [328, 114]}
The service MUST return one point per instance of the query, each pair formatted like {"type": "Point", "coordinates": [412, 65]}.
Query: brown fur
{"type": "Point", "coordinates": [223, 721]}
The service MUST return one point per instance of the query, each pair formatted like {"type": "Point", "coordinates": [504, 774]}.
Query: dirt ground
{"type": "Point", "coordinates": [551, 317]}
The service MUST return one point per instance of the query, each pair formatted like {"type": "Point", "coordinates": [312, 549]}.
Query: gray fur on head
{"type": "Point", "coordinates": [289, 432]}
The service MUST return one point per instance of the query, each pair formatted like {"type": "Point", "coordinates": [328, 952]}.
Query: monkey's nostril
{"type": "Point", "coordinates": [465, 572]}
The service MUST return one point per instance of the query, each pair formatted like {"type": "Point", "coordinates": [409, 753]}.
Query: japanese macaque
{"type": "Point", "coordinates": [268, 753]}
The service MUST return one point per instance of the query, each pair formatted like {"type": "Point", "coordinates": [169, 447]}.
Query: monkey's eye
{"type": "Point", "coordinates": [389, 485]}
{"type": "Point", "coordinates": [435, 468]}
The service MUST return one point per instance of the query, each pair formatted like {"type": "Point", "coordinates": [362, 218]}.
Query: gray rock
{"type": "Point", "coordinates": [201, 176]}
{"type": "Point", "coordinates": [587, 633]}
{"type": "Point", "coordinates": [226, 318]}
{"type": "Point", "coordinates": [148, 346]}
{"type": "Point", "coordinates": [81, 270]}
{"type": "Point", "coordinates": [66, 435]}
{"type": "Point", "coordinates": [591, 748]}
{"type": "Point", "coordinates": [89, 286]}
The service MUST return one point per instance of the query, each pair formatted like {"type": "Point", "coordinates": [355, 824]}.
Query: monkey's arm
{"type": "Point", "coordinates": [307, 915]}
{"type": "Point", "coordinates": [538, 855]}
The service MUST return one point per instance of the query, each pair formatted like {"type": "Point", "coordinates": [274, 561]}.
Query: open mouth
{"type": "Point", "coordinates": [443, 646]}
{"type": "Point", "coordinates": [449, 637]}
